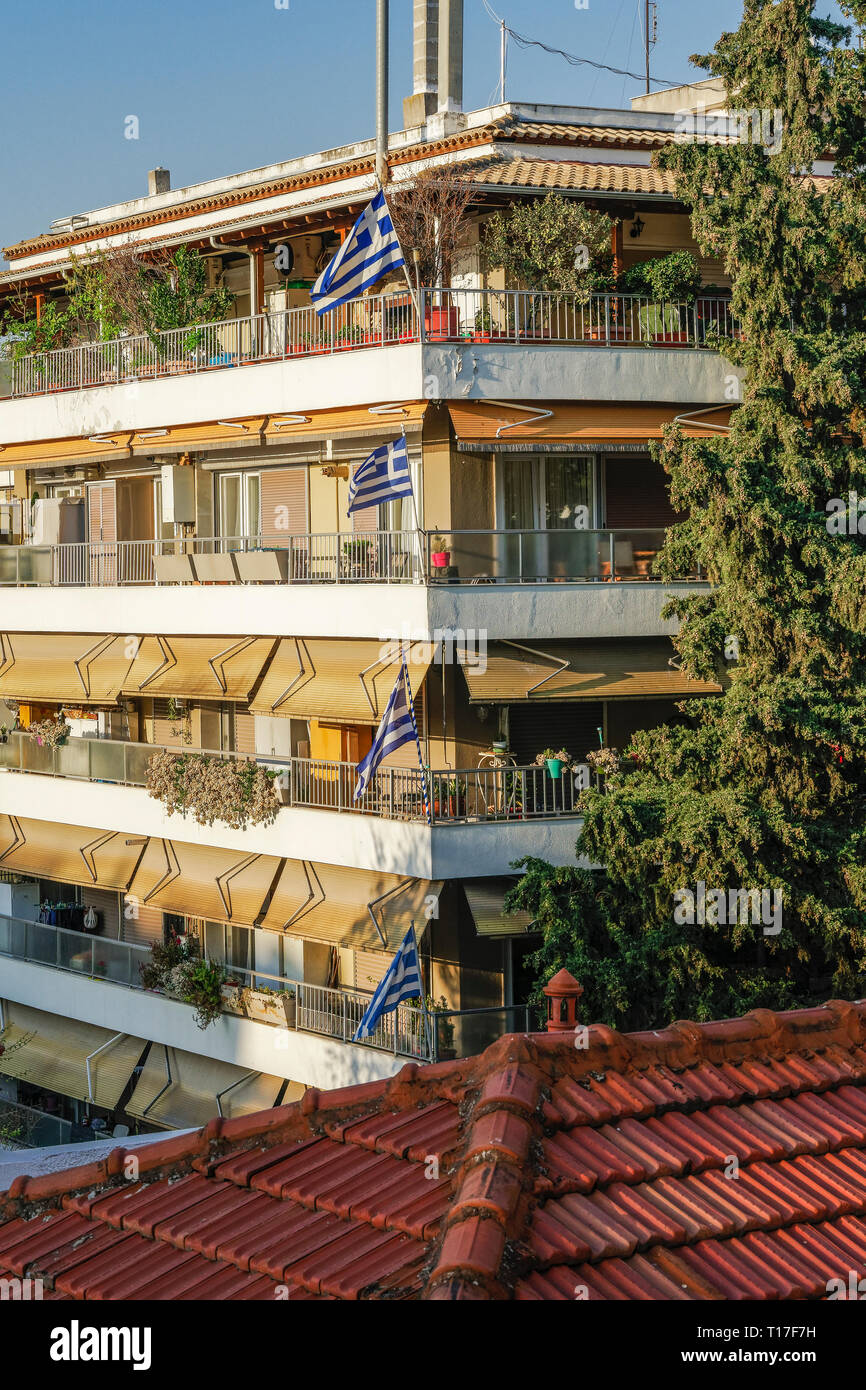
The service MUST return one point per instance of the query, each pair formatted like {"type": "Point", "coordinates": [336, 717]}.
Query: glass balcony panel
{"type": "Point", "coordinates": [73, 758]}
{"type": "Point", "coordinates": [106, 760]}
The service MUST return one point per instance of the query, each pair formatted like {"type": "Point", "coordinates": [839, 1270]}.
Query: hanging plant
{"type": "Point", "coordinates": [235, 791]}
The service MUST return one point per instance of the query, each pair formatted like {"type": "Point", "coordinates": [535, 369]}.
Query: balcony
{"type": "Point", "coordinates": [453, 797]}
{"type": "Point", "coordinates": [513, 317]}
{"type": "Point", "coordinates": [511, 345]}
{"type": "Point", "coordinates": [309, 1009]}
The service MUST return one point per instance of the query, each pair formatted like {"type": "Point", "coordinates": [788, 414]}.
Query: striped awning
{"type": "Point", "coordinates": [349, 680]}
{"type": "Point", "coordinates": [328, 902]}
{"type": "Point", "coordinates": [183, 1090]}
{"type": "Point", "coordinates": [207, 668]}
{"type": "Point", "coordinates": [63, 667]}
{"type": "Point", "coordinates": [486, 899]}
{"type": "Point", "coordinates": [52, 1052]}
{"type": "Point", "coordinates": [220, 885]}
{"type": "Point", "coordinates": [605, 670]}
{"type": "Point", "coordinates": [69, 853]}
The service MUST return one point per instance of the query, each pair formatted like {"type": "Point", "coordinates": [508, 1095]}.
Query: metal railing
{"type": "Point", "coordinates": [609, 320]}
{"type": "Point", "coordinates": [461, 795]}
{"type": "Point", "coordinates": [565, 555]}
{"type": "Point", "coordinates": [383, 320]}
{"type": "Point", "coordinates": [319, 1009]}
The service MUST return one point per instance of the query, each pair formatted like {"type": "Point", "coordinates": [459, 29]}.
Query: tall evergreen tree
{"type": "Point", "coordinates": [765, 786]}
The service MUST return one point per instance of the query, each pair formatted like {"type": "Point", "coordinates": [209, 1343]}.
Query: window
{"type": "Point", "coordinates": [549, 492]}
{"type": "Point", "coordinates": [240, 506]}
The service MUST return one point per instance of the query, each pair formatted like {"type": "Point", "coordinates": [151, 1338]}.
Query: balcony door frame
{"type": "Point", "coordinates": [537, 464]}
{"type": "Point", "coordinates": [244, 478]}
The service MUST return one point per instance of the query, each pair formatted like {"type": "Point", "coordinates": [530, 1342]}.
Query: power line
{"type": "Point", "coordinates": [523, 42]}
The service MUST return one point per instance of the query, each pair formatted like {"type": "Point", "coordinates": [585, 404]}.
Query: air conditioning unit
{"type": "Point", "coordinates": [178, 494]}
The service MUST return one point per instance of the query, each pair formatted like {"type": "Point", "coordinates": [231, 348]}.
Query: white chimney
{"type": "Point", "coordinates": [450, 56]}
{"type": "Point", "coordinates": [158, 181]}
{"type": "Point", "coordinates": [425, 64]}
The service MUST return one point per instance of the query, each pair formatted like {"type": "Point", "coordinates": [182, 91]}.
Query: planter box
{"type": "Point", "coordinates": [233, 999]}
{"type": "Point", "coordinates": [215, 569]}
{"type": "Point", "coordinates": [173, 569]}
{"type": "Point", "coordinates": [262, 566]}
{"type": "Point", "coordinates": [442, 324]}
{"type": "Point", "coordinates": [270, 1008]}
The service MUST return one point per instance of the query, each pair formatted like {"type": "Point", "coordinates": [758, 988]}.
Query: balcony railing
{"type": "Point", "coordinates": [385, 320]}
{"type": "Point", "coordinates": [566, 555]}
{"type": "Point", "coordinates": [330, 1013]}
{"type": "Point", "coordinates": [462, 795]}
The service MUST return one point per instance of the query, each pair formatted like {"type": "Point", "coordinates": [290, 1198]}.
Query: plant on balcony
{"type": "Point", "coordinates": [668, 281]}
{"type": "Point", "coordinates": [555, 760]}
{"type": "Point", "coordinates": [430, 217]}
{"type": "Point", "coordinates": [50, 733]}
{"type": "Point", "coordinates": [164, 957]}
{"type": "Point", "coordinates": [177, 969]}
{"type": "Point", "coordinates": [235, 791]}
{"type": "Point", "coordinates": [553, 244]}
{"type": "Point", "coordinates": [605, 761]}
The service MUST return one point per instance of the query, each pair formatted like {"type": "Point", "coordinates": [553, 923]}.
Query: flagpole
{"type": "Point", "coordinates": [418, 529]}
{"type": "Point", "coordinates": [428, 1030]}
{"type": "Point", "coordinates": [411, 703]}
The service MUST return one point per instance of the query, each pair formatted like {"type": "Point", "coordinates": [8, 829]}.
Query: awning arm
{"type": "Point", "coordinates": [224, 880]}
{"type": "Point", "coordinates": [90, 849]}
{"type": "Point", "coordinates": [6, 657]}
{"type": "Point", "coordinates": [399, 888]}
{"type": "Point", "coordinates": [89, 1058]}
{"type": "Point", "coordinates": [562, 664]}
{"type": "Point", "coordinates": [540, 414]}
{"type": "Point", "coordinates": [163, 1089]}
{"type": "Point", "coordinates": [168, 660]}
{"type": "Point", "coordinates": [383, 661]}
{"type": "Point", "coordinates": [313, 899]}
{"type": "Point", "coordinates": [170, 874]}
{"type": "Point", "coordinates": [219, 1095]}
{"type": "Point", "coordinates": [226, 655]}
{"type": "Point", "coordinates": [90, 655]}
{"type": "Point", "coordinates": [302, 671]}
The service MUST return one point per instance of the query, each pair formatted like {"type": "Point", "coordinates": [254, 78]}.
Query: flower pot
{"type": "Point", "coordinates": [672, 337]}
{"type": "Point", "coordinates": [481, 337]}
{"type": "Point", "coordinates": [440, 559]}
{"type": "Point", "coordinates": [554, 767]}
{"type": "Point", "coordinates": [500, 745]}
{"type": "Point", "coordinates": [442, 324]}
{"type": "Point", "coordinates": [233, 999]}
{"type": "Point", "coordinates": [270, 1008]}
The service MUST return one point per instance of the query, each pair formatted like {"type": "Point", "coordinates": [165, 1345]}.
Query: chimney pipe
{"type": "Point", "coordinates": [158, 181]}
{"type": "Point", "coordinates": [563, 994]}
{"type": "Point", "coordinates": [382, 65]}
{"type": "Point", "coordinates": [450, 56]}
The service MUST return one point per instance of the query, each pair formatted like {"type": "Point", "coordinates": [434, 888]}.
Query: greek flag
{"type": "Point", "coordinates": [397, 727]}
{"type": "Point", "coordinates": [403, 981]}
{"type": "Point", "coordinates": [381, 477]}
{"type": "Point", "coordinates": [369, 250]}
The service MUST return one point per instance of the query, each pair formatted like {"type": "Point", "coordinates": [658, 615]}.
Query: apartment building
{"type": "Point", "coordinates": [178, 573]}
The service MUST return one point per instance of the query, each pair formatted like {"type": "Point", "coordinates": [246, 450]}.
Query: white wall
{"type": "Point", "coordinates": [406, 373]}
{"type": "Point", "coordinates": [367, 842]}
{"type": "Point", "coordinates": [519, 611]}
{"type": "Point", "coordinates": [304, 1057]}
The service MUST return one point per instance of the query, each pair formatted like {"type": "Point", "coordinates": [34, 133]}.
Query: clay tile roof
{"type": "Point", "coordinates": [560, 133]}
{"type": "Point", "coordinates": [567, 173]}
{"type": "Point", "coordinates": [534, 1171]}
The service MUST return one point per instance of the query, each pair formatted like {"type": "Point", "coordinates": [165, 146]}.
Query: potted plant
{"type": "Point", "coordinates": [232, 994]}
{"type": "Point", "coordinates": [555, 760]}
{"type": "Point", "coordinates": [270, 1006]}
{"type": "Point", "coordinates": [483, 326]}
{"type": "Point", "coordinates": [500, 745]}
{"type": "Point", "coordinates": [440, 557]}
{"type": "Point", "coordinates": [358, 558]}
{"type": "Point", "coordinates": [670, 282]}
{"type": "Point", "coordinates": [50, 733]}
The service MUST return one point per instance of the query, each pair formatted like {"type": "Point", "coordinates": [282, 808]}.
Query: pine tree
{"type": "Point", "coordinates": [765, 786]}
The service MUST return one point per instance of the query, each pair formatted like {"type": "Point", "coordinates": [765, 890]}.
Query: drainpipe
{"type": "Point", "coordinates": [382, 7]}
{"type": "Point", "coordinates": [235, 248]}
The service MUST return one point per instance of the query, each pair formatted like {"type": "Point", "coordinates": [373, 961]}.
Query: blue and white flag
{"type": "Point", "coordinates": [370, 249]}
{"type": "Point", "coordinates": [397, 727]}
{"type": "Point", "coordinates": [382, 477]}
{"type": "Point", "coordinates": [403, 981]}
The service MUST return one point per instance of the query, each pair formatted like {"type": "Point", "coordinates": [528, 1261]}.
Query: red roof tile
{"type": "Point", "coordinates": [716, 1161]}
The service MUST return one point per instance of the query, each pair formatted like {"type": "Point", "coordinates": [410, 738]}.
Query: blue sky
{"type": "Point", "coordinates": [223, 86]}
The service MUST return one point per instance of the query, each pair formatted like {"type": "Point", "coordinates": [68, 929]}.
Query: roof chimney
{"type": "Point", "coordinates": [563, 993]}
{"type": "Point", "coordinates": [450, 56]}
{"type": "Point", "coordinates": [425, 64]}
{"type": "Point", "coordinates": [158, 181]}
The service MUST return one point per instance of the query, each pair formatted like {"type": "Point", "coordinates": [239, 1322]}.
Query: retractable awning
{"type": "Point", "coordinates": [178, 439]}
{"type": "Point", "coordinates": [182, 1090]}
{"type": "Point", "coordinates": [326, 902]}
{"type": "Point", "coordinates": [614, 670]}
{"type": "Point", "coordinates": [58, 667]}
{"type": "Point", "coordinates": [69, 853]}
{"type": "Point", "coordinates": [218, 884]}
{"type": "Point", "coordinates": [54, 1052]}
{"type": "Point", "coordinates": [343, 679]}
{"type": "Point", "coordinates": [486, 425]}
{"type": "Point", "coordinates": [347, 421]}
{"type": "Point", "coordinates": [486, 898]}
{"type": "Point", "coordinates": [192, 668]}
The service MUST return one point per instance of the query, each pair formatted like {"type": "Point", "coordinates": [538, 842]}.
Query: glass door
{"type": "Point", "coordinates": [240, 509]}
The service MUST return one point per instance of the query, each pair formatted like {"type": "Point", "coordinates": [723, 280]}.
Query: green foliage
{"type": "Point", "coordinates": [116, 293]}
{"type": "Point", "coordinates": [765, 786]}
{"type": "Point", "coordinates": [538, 244]}
{"type": "Point", "coordinates": [673, 277]}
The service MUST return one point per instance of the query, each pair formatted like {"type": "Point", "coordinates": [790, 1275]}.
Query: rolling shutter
{"type": "Point", "coordinates": [142, 925]}
{"type": "Point", "coordinates": [573, 727]}
{"type": "Point", "coordinates": [245, 734]}
{"type": "Point", "coordinates": [107, 904]}
{"type": "Point", "coordinates": [284, 504]}
{"type": "Point", "coordinates": [636, 493]}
